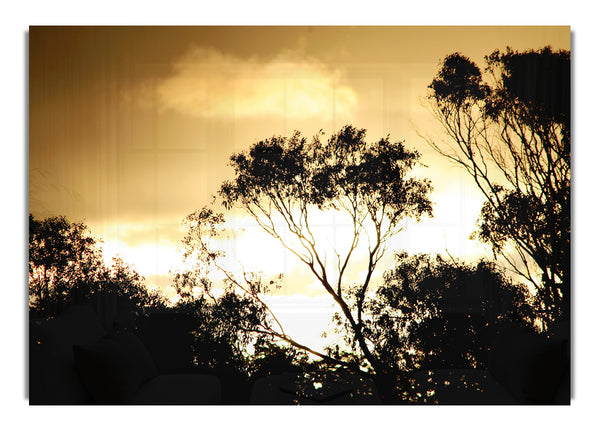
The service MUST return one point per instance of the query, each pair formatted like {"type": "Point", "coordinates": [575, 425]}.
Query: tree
{"type": "Point", "coordinates": [66, 266]}
{"type": "Point", "coordinates": [436, 313]}
{"type": "Point", "coordinates": [289, 181]}
{"type": "Point", "coordinates": [64, 262]}
{"type": "Point", "coordinates": [509, 129]}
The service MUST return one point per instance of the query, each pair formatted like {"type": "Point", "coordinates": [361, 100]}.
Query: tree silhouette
{"type": "Point", "coordinates": [64, 262]}
{"type": "Point", "coordinates": [66, 266]}
{"type": "Point", "coordinates": [509, 129]}
{"type": "Point", "coordinates": [437, 313]}
{"type": "Point", "coordinates": [284, 183]}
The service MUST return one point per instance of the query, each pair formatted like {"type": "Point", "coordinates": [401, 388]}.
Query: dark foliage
{"type": "Point", "coordinates": [228, 339]}
{"type": "Point", "coordinates": [66, 267]}
{"type": "Point", "coordinates": [436, 313]}
{"type": "Point", "coordinates": [510, 131]}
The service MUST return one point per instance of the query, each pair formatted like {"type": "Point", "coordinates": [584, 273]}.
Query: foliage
{"type": "Point", "coordinates": [510, 131]}
{"type": "Point", "coordinates": [288, 181]}
{"type": "Point", "coordinates": [436, 313]}
{"type": "Point", "coordinates": [229, 341]}
{"type": "Point", "coordinates": [64, 261]}
{"type": "Point", "coordinates": [66, 266]}
{"type": "Point", "coordinates": [130, 290]}
{"type": "Point", "coordinates": [276, 358]}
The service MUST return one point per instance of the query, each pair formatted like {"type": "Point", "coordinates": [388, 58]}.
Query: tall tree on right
{"type": "Point", "coordinates": [508, 127]}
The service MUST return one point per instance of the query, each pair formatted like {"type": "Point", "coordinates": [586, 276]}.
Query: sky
{"type": "Point", "coordinates": [131, 128]}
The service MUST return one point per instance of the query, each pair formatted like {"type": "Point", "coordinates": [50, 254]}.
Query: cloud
{"type": "Point", "coordinates": [207, 83]}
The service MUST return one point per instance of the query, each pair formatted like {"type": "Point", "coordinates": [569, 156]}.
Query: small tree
{"type": "Point", "coordinates": [509, 130]}
{"type": "Point", "coordinates": [64, 262]}
{"type": "Point", "coordinates": [66, 266]}
{"type": "Point", "coordinates": [283, 183]}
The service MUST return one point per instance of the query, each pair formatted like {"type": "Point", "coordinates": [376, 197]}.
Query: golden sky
{"type": "Point", "coordinates": [130, 128]}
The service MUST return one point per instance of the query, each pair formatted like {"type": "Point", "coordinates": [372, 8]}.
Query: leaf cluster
{"type": "Point", "coordinates": [458, 83]}
{"type": "Point", "coordinates": [322, 174]}
{"type": "Point", "coordinates": [412, 318]}
{"type": "Point", "coordinates": [539, 81]}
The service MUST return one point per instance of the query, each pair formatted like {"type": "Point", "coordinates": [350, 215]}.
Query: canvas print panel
{"type": "Point", "coordinates": [299, 215]}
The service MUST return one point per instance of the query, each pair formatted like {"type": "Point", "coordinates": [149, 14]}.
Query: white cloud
{"type": "Point", "coordinates": [210, 84]}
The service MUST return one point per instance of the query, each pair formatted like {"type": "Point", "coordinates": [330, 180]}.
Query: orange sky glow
{"type": "Point", "coordinates": [130, 128]}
